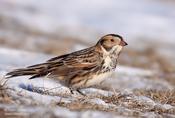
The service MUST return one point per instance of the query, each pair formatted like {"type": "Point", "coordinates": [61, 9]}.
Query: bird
{"type": "Point", "coordinates": [80, 69]}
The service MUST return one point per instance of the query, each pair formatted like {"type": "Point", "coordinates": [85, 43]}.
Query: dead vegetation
{"type": "Point", "coordinates": [129, 105]}
{"type": "Point", "coordinates": [4, 97]}
{"type": "Point", "coordinates": [161, 96]}
{"type": "Point", "coordinates": [139, 103]}
{"type": "Point", "coordinates": [135, 104]}
{"type": "Point", "coordinates": [150, 59]}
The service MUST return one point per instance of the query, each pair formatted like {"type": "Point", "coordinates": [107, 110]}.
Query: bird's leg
{"type": "Point", "coordinates": [78, 90]}
{"type": "Point", "coordinates": [71, 91]}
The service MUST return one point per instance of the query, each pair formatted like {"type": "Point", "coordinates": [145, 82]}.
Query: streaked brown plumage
{"type": "Point", "coordinates": [79, 69]}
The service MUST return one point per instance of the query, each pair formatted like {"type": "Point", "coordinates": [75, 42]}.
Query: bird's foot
{"type": "Point", "coordinates": [78, 90]}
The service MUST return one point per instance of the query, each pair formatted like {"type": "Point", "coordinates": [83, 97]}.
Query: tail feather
{"type": "Point", "coordinates": [42, 65]}
{"type": "Point", "coordinates": [34, 71]}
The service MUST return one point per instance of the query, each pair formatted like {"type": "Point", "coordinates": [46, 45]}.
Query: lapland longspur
{"type": "Point", "coordinates": [80, 69]}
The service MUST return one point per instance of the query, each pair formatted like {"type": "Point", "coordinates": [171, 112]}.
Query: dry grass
{"type": "Point", "coordinates": [161, 96]}
{"type": "Point", "coordinates": [54, 45]}
{"type": "Point", "coordinates": [157, 96]}
{"type": "Point", "coordinates": [82, 106]}
{"type": "Point", "coordinates": [126, 107]}
{"type": "Point", "coordinates": [150, 59]}
{"type": "Point", "coordinates": [4, 97]}
{"type": "Point", "coordinates": [131, 107]}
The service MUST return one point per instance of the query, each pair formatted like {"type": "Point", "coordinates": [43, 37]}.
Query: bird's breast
{"type": "Point", "coordinates": [107, 61]}
{"type": "Point", "coordinates": [109, 64]}
{"type": "Point", "coordinates": [106, 71]}
{"type": "Point", "coordinates": [98, 78]}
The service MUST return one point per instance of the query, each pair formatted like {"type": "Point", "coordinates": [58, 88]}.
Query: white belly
{"type": "Point", "coordinates": [97, 79]}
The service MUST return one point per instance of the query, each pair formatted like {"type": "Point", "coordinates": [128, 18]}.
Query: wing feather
{"type": "Point", "coordinates": [65, 65]}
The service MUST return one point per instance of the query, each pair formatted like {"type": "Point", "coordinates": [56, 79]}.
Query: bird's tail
{"type": "Point", "coordinates": [38, 70]}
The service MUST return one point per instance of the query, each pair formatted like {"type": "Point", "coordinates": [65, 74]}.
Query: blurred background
{"type": "Point", "coordinates": [58, 27]}
{"type": "Point", "coordinates": [47, 28]}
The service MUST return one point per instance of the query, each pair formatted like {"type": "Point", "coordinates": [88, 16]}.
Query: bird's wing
{"type": "Point", "coordinates": [69, 64]}
{"type": "Point", "coordinates": [74, 62]}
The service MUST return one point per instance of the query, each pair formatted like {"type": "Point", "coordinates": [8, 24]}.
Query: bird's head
{"type": "Point", "coordinates": [111, 43]}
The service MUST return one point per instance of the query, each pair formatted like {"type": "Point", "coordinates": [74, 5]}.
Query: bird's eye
{"type": "Point", "coordinates": [112, 40]}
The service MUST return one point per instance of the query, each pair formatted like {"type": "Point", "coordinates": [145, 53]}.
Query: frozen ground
{"type": "Point", "coordinates": [116, 95]}
{"type": "Point", "coordinates": [142, 85]}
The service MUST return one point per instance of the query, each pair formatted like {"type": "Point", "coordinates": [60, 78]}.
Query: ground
{"type": "Point", "coordinates": [141, 86]}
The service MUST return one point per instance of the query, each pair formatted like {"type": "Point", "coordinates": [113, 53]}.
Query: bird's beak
{"type": "Point", "coordinates": [123, 43]}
